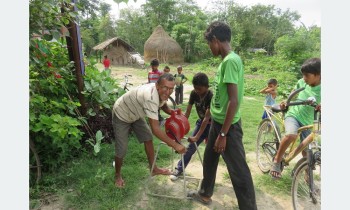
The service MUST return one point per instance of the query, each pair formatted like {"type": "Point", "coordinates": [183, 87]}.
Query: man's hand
{"type": "Point", "coordinates": [220, 144]}
{"type": "Point", "coordinates": [180, 148]}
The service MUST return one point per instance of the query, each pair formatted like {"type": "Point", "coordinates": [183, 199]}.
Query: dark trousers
{"type": "Point", "coordinates": [191, 149]}
{"type": "Point", "coordinates": [234, 157]}
{"type": "Point", "coordinates": [179, 93]}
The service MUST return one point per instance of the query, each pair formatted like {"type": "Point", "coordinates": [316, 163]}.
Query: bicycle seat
{"type": "Point", "coordinates": [276, 108]}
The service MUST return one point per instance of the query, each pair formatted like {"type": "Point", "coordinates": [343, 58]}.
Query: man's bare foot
{"type": "Point", "coordinates": [119, 182]}
{"type": "Point", "coordinates": [161, 171]}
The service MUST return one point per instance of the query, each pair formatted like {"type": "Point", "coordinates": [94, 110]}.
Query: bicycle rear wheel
{"type": "Point", "coordinates": [302, 195]}
{"type": "Point", "coordinates": [266, 145]}
{"type": "Point", "coordinates": [34, 164]}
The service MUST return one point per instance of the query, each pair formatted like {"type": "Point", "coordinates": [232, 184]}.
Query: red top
{"type": "Point", "coordinates": [153, 76]}
{"type": "Point", "coordinates": [106, 63]}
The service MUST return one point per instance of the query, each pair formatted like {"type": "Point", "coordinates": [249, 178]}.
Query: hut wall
{"type": "Point", "coordinates": [117, 54]}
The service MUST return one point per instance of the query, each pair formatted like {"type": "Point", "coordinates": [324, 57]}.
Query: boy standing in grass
{"type": "Point", "coordinates": [180, 79]}
{"type": "Point", "coordinates": [166, 69]}
{"type": "Point", "coordinates": [154, 74]}
{"type": "Point", "coordinates": [200, 97]}
{"type": "Point", "coordinates": [225, 135]}
{"type": "Point", "coordinates": [271, 93]}
{"type": "Point", "coordinates": [298, 116]}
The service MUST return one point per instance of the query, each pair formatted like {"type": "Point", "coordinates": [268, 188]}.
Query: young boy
{"type": "Point", "coordinates": [166, 69]}
{"type": "Point", "coordinates": [298, 116]}
{"type": "Point", "coordinates": [271, 93]}
{"type": "Point", "coordinates": [180, 79]}
{"type": "Point", "coordinates": [154, 74]}
{"type": "Point", "coordinates": [200, 97]}
{"type": "Point", "coordinates": [225, 135]}
{"type": "Point", "coordinates": [106, 62]}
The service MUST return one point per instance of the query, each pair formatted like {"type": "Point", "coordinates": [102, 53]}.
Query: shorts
{"type": "Point", "coordinates": [121, 133]}
{"type": "Point", "coordinates": [292, 125]}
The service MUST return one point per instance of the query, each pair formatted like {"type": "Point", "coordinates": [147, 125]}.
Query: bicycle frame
{"type": "Point", "coordinates": [294, 149]}
{"type": "Point", "coordinates": [272, 116]}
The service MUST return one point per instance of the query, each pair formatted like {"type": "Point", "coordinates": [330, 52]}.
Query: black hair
{"type": "Point", "coordinates": [272, 81]}
{"type": "Point", "coordinates": [105, 56]}
{"type": "Point", "coordinates": [200, 79]}
{"type": "Point", "coordinates": [155, 62]}
{"type": "Point", "coordinates": [166, 76]}
{"type": "Point", "coordinates": [219, 30]}
{"type": "Point", "coordinates": [166, 67]}
{"type": "Point", "coordinates": [312, 66]}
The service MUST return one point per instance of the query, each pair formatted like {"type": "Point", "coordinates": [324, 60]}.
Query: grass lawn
{"type": "Point", "coordinates": [88, 182]}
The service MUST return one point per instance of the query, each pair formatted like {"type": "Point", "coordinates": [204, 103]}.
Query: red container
{"type": "Point", "coordinates": [177, 125]}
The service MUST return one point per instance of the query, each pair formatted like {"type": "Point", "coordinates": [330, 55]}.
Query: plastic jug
{"type": "Point", "coordinates": [177, 125]}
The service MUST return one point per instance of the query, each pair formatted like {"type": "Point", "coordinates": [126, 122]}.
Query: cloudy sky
{"type": "Point", "coordinates": [310, 10]}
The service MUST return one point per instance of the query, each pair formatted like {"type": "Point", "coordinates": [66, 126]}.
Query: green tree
{"type": "Point", "coordinates": [301, 45]}
{"type": "Point", "coordinates": [159, 12]}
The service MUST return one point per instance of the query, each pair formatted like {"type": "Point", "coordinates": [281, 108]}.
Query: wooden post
{"type": "Point", "coordinates": [76, 55]}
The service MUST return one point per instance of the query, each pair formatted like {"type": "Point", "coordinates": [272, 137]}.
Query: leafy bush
{"type": "Point", "coordinates": [54, 125]}
{"type": "Point", "coordinates": [259, 69]}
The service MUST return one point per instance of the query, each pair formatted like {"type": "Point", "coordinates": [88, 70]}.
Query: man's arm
{"type": "Point", "coordinates": [202, 128]}
{"type": "Point", "coordinates": [163, 137]}
{"type": "Point", "coordinates": [220, 143]}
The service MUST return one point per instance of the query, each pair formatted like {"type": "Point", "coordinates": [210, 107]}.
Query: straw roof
{"type": "Point", "coordinates": [105, 44]}
{"type": "Point", "coordinates": [161, 46]}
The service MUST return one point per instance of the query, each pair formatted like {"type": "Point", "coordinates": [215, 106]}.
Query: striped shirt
{"type": "Point", "coordinates": [138, 103]}
{"type": "Point", "coordinates": [153, 76]}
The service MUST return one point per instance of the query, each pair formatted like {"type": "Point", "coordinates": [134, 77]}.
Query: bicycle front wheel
{"type": "Point", "coordinates": [266, 145]}
{"type": "Point", "coordinates": [303, 196]}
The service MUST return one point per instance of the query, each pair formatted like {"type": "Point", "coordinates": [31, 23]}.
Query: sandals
{"type": "Point", "coordinates": [195, 196]}
{"type": "Point", "coordinates": [276, 170]}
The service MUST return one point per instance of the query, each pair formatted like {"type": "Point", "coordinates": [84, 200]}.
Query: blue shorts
{"type": "Point", "coordinates": [292, 125]}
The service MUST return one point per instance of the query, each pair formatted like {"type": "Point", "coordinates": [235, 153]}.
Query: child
{"type": "Point", "coordinates": [271, 93]}
{"type": "Point", "coordinates": [225, 135]}
{"type": "Point", "coordinates": [180, 79]}
{"type": "Point", "coordinates": [166, 69]}
{"type": "Point", "coordinates": [200, 97]}
{"type": "Point", "coordinates": [106, 62]}
{"type": "Point", "coordinates": [298, 116]}
{"type": "Point", "coordinates": [154, 74]}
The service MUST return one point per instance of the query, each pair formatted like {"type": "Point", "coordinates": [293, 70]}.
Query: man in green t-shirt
{"type": "Point", "coordinates": [298, 116]}
{"type": "Point", "coordinates": [225, 135]}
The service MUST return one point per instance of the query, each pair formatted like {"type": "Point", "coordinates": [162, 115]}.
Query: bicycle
{"type": "Point", "coordinates": [34, 164]}
{"type": "Point", "coordinates": [125, 85]}
{"type": "Point", "coordinates": [306, 184]}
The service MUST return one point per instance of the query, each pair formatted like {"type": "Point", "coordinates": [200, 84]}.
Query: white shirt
{"type": "Point", "coordinates": [138, 103]}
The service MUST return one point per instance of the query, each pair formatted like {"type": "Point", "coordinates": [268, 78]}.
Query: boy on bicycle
{"type": "Point", "coordinates": [298, 116]}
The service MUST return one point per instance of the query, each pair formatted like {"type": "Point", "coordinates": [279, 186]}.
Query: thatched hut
{"type": "Point", "coordinates": [117, 50]}
{"type": "Point", "coordinates": [161, 46]}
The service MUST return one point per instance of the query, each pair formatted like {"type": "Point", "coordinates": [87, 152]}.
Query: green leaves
{"type": "Point", "coordinates": [97, 142]}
